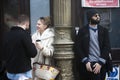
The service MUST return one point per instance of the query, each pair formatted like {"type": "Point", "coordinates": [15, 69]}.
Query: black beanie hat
{"type": "Point", "coordinates": [90, 13]}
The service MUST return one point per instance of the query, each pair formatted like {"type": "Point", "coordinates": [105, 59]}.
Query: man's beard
{"type": "Point", "coordinates": [94, 21]}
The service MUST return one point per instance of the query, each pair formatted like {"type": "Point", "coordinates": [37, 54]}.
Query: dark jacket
{"type": "Point", "coordinates": [18, 50]}
{"type": "Point", "coordinates": [81, 47]}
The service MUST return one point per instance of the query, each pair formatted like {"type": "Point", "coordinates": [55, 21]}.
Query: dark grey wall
{"type": "Point", "coordinates": [115, 28]}
{"type": "Point", "coordinates": [38, 8]}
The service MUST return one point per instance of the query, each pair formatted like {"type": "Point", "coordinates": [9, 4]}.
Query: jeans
{"type": "Point", "coordinates": [20, 76]}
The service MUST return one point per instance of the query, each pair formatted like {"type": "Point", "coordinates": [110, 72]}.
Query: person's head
{"type": "Point", "coordinates": [43, 23]}
{"type": "Point", "coordinates": [93, 16]}
{"type": "Point", "coordinates": [23, 20]}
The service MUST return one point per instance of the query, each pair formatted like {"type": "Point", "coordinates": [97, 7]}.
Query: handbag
{"type": "Point", "coordinates": [45, 71]}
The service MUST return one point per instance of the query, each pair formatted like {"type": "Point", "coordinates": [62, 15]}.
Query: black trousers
{"type": "Point", "coordinates": [86, 75]}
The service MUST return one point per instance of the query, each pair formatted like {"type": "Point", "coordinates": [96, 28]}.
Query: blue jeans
{"type": "Point", "coordinates": [20, 76]}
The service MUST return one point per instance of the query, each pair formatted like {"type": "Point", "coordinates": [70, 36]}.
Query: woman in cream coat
{"type": "Point", "coordinates": [43, 38]}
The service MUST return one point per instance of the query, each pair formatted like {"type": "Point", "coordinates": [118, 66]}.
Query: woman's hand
{"type": "Point", "coordinates": [38, 45]}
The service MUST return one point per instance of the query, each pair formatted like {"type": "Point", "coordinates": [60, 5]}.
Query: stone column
{"type": "Point", "coordinates": [63, 41]}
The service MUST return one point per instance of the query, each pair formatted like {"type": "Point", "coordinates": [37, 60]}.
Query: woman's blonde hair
{"type": "Point", "coordinates": [46, 20]}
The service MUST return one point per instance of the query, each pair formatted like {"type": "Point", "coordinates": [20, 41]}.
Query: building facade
{"type": "Point", "coordinates": [67, 17]}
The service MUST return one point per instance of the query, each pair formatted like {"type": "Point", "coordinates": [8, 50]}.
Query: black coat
{"type": "Point", "coordinates": [81, 46]}
{"type": "Point", "coordinates": [18, 50]}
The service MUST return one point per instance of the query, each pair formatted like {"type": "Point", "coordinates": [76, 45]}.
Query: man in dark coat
{"type": "Point", "coordinates": [92, 47]}
{"type": "Point", "coordinates": [18, 51]}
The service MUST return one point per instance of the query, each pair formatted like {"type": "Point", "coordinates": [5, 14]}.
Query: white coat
{"type": "Point", "coordinates": [46, 40]}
